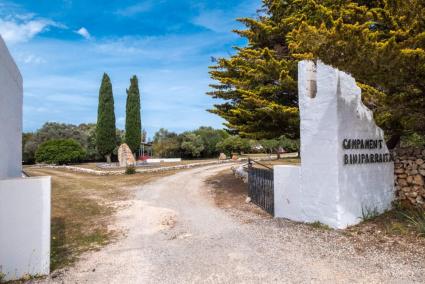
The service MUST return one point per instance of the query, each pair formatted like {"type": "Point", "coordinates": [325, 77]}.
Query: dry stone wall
{"type": "Point", "coordinates": [409, 169]}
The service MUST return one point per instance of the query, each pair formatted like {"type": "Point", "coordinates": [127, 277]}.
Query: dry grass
{"type": "Point", "coordinates": [282, 161]}
{"type": "Point", "coordinates": [82, 209]}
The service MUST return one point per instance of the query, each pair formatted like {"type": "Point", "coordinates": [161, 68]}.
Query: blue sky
{"type": "Point", "coordinates": [62, 48]}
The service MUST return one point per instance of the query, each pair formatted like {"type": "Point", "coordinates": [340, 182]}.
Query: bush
{"type": "Point", "coordinates": [60, 151]}
{"type": "Point", "coordinates": [130, 170]}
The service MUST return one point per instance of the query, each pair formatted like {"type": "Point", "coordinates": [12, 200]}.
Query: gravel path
{"type": "Point", "coordinates": [177, 235]}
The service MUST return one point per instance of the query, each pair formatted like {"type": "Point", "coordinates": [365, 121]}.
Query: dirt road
{"type": "Point", "coordinates": [175, 234]}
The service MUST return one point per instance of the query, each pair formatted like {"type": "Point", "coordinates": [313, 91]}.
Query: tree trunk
{"type": "Point", "coordinates": [393, 141]}
{"type": "Point", "coordinates": [278, 154]}
{"type": "Point", "coordinates": [108, 158]}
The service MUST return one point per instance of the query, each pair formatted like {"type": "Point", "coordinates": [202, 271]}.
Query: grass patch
{"type": "Point", "coordinates": [402, 223]}
{"type": "Point", "coordinates": [82, 209]}
{"type": "Point", "coordinates": [415, 217]}
{"type": "Point", "coordinates": [319, 225]}
{"type": "Point", "coordinates": [130, 170]}
{"type": "Point", "coordinates": [369, 213]}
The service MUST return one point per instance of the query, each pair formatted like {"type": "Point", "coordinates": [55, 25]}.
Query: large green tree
{"type": "Point", "coordinates": [380, 42]}
{"type": "Point", "coordinates": [166, 144]}
{"type": "Point", "coordinates": [133, 124]}
{"type": "Point", "coordinates": [105, 128]}
{"type": "Point", "coordinates": [192, 145]}
{"type": "Point", "coordinates": [210, 137]}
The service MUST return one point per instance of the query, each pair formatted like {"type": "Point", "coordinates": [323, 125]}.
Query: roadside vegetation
{"type": "Point", "coordinates": [202, 143]}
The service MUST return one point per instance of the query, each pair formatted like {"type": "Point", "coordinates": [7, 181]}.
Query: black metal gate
{"type": "Point", "coordinates": [260, 186]}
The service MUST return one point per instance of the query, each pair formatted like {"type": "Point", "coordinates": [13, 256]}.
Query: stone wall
{"type": "Point", "coordinates": [409, 177]}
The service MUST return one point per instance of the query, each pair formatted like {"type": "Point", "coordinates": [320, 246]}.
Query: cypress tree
{"type": "Point", "coordinates": [105, 128]}
{"type": "Point", "coordinates": [133, 124]}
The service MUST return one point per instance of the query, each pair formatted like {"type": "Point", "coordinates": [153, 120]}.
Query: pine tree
{"type": "Point", "coordinates": [105, 128]}
{"type": "Point", "coordinates": [379, 42]}
{"type": "Point", "coordinates": [133, 125]}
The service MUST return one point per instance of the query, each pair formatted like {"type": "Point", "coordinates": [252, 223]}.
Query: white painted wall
{"type": "Point", "coordinates": [24, 227]}
{"type": "Point", "coordinates": [11, 94]}
{"type": "Point", "coordinates": [24, 202]}
{"type": "Point", "coordinates": [328, 190]}
{"type": "Point", "coordinates": [287, 192]}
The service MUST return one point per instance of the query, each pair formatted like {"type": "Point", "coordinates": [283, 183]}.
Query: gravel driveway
{"type": "Point", "coordinates": [175, 234]}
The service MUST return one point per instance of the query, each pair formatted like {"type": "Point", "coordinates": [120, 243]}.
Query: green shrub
{"type": "Point", "coordinates": [60, 151]}
{"type": "Point", "coordinates": [130, 170]}
{"type": "Point", "coordinates": [369, 213]}
{"type": "Point", "coordinates": [416, 218]}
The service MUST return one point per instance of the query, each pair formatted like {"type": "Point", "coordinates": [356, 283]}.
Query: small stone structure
{"type": "Point", "coordinates": [346, 169]}
{"type": "Point", "coordinates": [410, 175]}
{"type": "Point", "coordinates": [125, 156]}
{"type": "Point", "coordinates": [24, 202]}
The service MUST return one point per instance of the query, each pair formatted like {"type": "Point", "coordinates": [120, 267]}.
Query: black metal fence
{"type": "Point", "coordinates": [260, 186]}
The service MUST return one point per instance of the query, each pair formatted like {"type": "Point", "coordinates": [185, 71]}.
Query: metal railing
{"type": "Point", "coordinates": [261, 186]}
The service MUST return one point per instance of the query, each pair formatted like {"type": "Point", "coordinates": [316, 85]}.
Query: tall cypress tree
{"type": "Point", "coordinates": [105, 128]}
{"type": "Point", "coordinates": [133, 124]}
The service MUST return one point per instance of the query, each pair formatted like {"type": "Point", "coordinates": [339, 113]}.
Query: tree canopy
{"type": "Point", "coordinates": [192, 145]}
{"type": "Point", "coordinates": [381, 43]}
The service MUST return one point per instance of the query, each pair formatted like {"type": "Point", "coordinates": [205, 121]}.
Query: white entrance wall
{"type": "Point", "coordinates": [339, 180]}
{"type": "Point", "coordinates": [24, 202]}
{"type": "Point", "coordinates": [10, 115]}
{"type": "Point", "coordinates": [24, 227]}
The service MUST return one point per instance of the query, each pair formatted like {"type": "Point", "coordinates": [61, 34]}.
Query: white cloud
{"type": "Point", "coordinates": [215, 20]}
{"type": "Point", "coordinates": [223, 21]}
{"type": "Point", "coordinates": [172, 69]}
{"type": "Point", "coordinates": [15, 32]}
{"type": "Point", "coordinates": [30, 59]}
{"type": "Point", "coordinates": [84, 33]}
{"type": "Point", "coordinates": [135, 9]}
